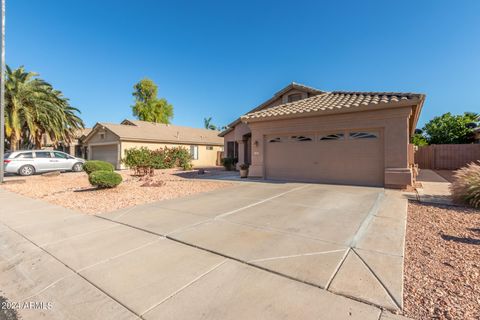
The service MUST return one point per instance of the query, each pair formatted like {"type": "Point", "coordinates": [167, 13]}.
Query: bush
{"type": "Point", "coordinates": [96, 165]}
{"type": "Point", "coordinates": [143, 160]}
{"type": "Point", "coordinates": [466, 185]}
{"type": "Point", "coordinates": [229, 163]}
{"type": "Point", "coordinates": [104, 179]}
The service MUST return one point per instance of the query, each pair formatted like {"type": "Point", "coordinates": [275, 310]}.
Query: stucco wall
{"type": "Point", "coordinates": [108, 137]}
{"type": "Point", "coordinates": [393, 123]}
{"type": "Point", "coordinates": [206, 158]}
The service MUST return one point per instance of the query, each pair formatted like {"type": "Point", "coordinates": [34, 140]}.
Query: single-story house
{"type": "Point", "coordinates": [74, 147]}
{"type": "Point", "coordinates": [108, 141]}
{"type": "Point", "coordinates": [306, 134]}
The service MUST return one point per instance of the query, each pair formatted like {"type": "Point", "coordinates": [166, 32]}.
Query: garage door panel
{"type": "Point", "coordinates": [350, 160]}
{"type": "Point", "coordinates": [108, 153]}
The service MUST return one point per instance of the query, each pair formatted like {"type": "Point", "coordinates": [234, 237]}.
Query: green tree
{"type": "Point", "coordinates": [450, 129]}
{"type": "Point", "coordinates": [33, 108]}
{"type": "Point", "coordinates": [419, 140]}
{"type": "Point", "coordinates": [148, 107]}
{"type": "Point", "coordinates": [207, 122]}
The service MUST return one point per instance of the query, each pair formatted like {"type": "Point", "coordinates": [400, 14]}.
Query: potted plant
{"type": "Point", "coordinates": [244, 170]}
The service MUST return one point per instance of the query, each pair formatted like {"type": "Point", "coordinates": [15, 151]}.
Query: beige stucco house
{"type": "Point", "coordinates": [109, 141]}
{"type": "Point", "coordinates": [306, 134]}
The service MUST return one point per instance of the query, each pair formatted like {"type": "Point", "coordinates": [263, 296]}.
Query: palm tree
{"type": "Point", "coordinates": [207, 122]}
{"type": "Point", "coordinates": [34, 109]}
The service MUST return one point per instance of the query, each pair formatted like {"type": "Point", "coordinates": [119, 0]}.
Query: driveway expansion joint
{"type": "Point", "coordinates": [74, 271]}
{"type": "Point", "coordinates": [184, 287]}
{"type": "Point", "coordinates": [378, 279]}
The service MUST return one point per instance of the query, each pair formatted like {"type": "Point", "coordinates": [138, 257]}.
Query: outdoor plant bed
{"type": "Point", "coordinates": [442, 262]}
{"type": "Point", "coordinates": [73, 190]}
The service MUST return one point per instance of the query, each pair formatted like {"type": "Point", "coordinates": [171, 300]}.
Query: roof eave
{"type": "Point", "coordinates": [172, 141]}
{"type": "Point", "coordinates": [380, 106]}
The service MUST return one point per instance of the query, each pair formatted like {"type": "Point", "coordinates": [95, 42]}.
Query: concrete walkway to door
{"type": "Point", "coordinates": [269, 250]}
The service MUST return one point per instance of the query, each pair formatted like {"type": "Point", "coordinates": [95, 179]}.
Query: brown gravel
{"type": "Point", "coordinates": [442, 262]}
{"type": "Point", "coordinates": [72, 190]}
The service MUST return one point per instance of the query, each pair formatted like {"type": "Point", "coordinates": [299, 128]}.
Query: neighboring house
{"type": "Point", "coordinates": [74, 147]}
{"type": "Point", "coordinates": [477, 134]}
{"type": "Point", "coordinates": [302, 133]}
{"type": "Point", "coordinates": [108, 141]}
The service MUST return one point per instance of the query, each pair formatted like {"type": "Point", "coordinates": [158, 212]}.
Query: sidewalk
{"type": "Point", "coordinates": [435, 189]}
{"type": "Point", "coordinates": [74, 266]}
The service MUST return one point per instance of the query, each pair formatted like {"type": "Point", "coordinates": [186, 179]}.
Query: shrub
{"type": "Point", "coordinates": [96, 165]}
{"type": "Point", "coordinates": [181, 157]}
{"type": "Point", "coordinates": [143, 160]}
{"type": "Point", "coordinates": [466, 185]}
{"type": "Point", "coordinates": [104, 179]}
{"type": "Point", "coordinates": [229, 163]}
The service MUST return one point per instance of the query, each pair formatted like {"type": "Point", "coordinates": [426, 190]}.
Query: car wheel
{"type": "Point", "coordinates": [26, 170]}
{"type": "Point", "coordinates": [77, 167]}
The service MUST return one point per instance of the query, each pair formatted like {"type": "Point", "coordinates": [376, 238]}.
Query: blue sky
{"type": "Point", "coordinates": [222, 58]}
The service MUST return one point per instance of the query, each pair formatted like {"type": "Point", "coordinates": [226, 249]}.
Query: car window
{"type": "Point", "coordinates": [60, 155]}
{"type": "Point", "coordinates": [42, 154]}
{"type": "Point", "coordinates": [6, 155]}
{"type": "Point", "coordinates": [24, 155]}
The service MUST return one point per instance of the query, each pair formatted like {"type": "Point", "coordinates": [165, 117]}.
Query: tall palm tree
{"type": "Point", "coordinates": [34, 109]}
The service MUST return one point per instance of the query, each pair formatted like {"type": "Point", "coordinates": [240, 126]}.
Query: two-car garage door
{"type": "Point", "coordinates": [345, 157]}
{"type": "Point", "coordinates": [107, 153]}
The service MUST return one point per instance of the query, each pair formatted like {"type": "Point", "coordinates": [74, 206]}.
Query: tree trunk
{"type": "Point", "coordinates": [38, 140]}
{"type": "Point", "coordinates": [13, 142]}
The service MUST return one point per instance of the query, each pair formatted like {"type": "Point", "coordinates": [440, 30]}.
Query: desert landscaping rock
{"type": "Point", "coordinates": [442, 262]}
{"type": "Point", "coordinates": [72, 190]}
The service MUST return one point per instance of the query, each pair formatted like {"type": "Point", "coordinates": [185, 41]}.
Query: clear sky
{"type": "Point", "coordinates": [222, 58]}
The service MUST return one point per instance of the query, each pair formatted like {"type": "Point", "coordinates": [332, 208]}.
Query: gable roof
{"type": "Point", "coordinates": [278, 94]}
{"type": "Point", "coordinates": [136, 130]}
{"type": "Point", "coordinates": [336, 102]}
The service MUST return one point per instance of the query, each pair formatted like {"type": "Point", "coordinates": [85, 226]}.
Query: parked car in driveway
{"type": "Point", "coordinates": [28, 162]}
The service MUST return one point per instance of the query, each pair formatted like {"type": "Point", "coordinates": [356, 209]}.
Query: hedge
{"type": "Point", "coordinates": [96, 165]}
{"type": "Point", "coordinates": [104, 179]}
{"type": "Point", "coordinates": [142, 159]}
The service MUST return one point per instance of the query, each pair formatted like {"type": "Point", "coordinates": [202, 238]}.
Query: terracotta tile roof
{"type": "Point", "coordinates": [336, 101]}
{"type": "Point", "coordinates": [278, 94]}
{"type": "Point", "coordinates": [159, 132]}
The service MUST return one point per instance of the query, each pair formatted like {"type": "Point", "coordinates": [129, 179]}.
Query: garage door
{"type": "Point", "coordinates": [353, 157]}
{"type": "Point", "coordinates": [107, 153]}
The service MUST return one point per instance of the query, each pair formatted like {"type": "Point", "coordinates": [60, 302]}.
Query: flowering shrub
{"type": "Point", "coordinates": [144, 160]}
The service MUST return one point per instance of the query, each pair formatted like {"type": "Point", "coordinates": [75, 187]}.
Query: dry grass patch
{"type": "Point", "coordinates": [442, 262]}
{"type": "Point", "coordinates": [72, 190]}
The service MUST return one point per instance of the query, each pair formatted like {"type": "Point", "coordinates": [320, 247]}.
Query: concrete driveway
{"type": "Point", "coordinates": [257, 249]}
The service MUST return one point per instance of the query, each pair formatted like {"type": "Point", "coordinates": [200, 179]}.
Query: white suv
{"type": "Point", "coordinates": [28, 162]}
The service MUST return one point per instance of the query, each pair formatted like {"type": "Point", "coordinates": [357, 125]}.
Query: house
{"type": "Point", "coordinates": [476, 133]}
{"type": "Point", "coordinates": [109, 141]}
{"type": "Point", "coordinates": [74, 147]}
{"type": "Point", "coordinates": [306, 134]}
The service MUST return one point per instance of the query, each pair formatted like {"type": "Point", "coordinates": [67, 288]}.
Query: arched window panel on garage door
{"type": "Point", "coordinates": [332, 136]}
{"type": "Point", "coordinates": [363, 135]}
{"type": "Point", "coordinates": [301, 138]}
{"type": "Point", "coordinates": [292, 138]}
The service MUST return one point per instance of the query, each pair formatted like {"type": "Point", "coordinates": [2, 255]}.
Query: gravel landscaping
{"type": "Point", "coordinates": [72, 190]}
{"type": "Point", "coordinates": [442, 262]}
